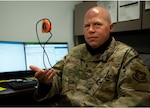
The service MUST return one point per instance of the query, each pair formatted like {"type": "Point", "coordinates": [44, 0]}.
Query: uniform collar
{"type": "Point", "coordinates": [100, 49]}
{"type": "Point", "coordinates": [103, 56]}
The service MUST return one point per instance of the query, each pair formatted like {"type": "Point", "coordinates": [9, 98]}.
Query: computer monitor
{"type": "Point", "coordinates": [12, 58]}
{"type": "Point", "coordinates": [34, 54]}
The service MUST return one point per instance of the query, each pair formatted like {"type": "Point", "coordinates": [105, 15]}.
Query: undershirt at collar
{"type": "Point", "coordinates": [100, 49]}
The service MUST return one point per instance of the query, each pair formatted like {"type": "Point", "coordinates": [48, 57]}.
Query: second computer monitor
{"type": "Point", "coordinates": [53, 52]}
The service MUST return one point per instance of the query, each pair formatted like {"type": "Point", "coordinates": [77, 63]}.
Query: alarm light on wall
{"type": "Point", "coordinates": [46, 26]}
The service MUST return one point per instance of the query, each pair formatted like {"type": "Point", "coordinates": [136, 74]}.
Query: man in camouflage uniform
{"type": "Point", "coordinates": [100, 72]}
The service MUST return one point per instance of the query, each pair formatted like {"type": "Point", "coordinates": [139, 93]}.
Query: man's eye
{"type": "Point", "coordinates": [86, 26]}
{"type": "Point", "coordinates": [97, 24]}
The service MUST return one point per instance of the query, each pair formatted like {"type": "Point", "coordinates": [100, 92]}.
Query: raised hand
{"type": "Point", "coordinates": [43, 76]}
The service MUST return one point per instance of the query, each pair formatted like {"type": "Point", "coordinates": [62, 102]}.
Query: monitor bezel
{"type": "Point", "coordinates": [12, 74]}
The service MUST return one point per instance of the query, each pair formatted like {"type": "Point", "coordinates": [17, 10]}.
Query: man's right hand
{"type": "Point", "coordinates": [43, 76]}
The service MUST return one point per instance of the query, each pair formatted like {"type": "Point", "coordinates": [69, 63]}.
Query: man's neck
{"type": "Point", "coordinates": [100, 49]}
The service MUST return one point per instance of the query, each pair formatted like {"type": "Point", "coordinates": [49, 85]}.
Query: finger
{"type": "Point", "coordinates": [46, 70]}
{"type": "Point", "coordinates": [48, 73]}
{"type": "Point", "coordinates": [42, 75]}
{"type": "Point", "coordinates": [39, 75]}
{"type": "Point", "coordinates": [50, 76]}
{"type": "Point", "coordinates": [35, 69]}
{"type": "Point", "coordinates": [38, 72]}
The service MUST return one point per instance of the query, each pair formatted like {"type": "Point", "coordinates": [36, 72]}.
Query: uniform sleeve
{"type": "Point", "coordinates": [133, 86]}
{"type": "Point", "coordinates": [43, 91]}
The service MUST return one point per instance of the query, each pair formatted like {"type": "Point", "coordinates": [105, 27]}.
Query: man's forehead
{"type": "Point", "coordinates": [95, 10]}
{"type": "Point", "coordinates": [92, 12]}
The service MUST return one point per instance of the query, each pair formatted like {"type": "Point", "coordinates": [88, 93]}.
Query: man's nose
{"type": "Point", "coordinates": [91, 29]}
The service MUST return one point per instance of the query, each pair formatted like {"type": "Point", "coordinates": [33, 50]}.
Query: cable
{"type": "Point", "coordinates": [43, 46]}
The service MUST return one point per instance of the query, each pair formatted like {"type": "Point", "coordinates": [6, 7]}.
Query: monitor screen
{"type": "Point", "coordinates": [12, 57]}
{"type": "Point", "coordinates": [54, 51]}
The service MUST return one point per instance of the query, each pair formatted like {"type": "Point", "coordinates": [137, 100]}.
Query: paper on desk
{"type": "Point", "coordinates": [2, 88]}
{"type": "Point", "coordinates": [1, 81]}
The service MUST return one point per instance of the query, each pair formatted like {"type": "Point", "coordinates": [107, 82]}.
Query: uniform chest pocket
{"type": "Point", "coordinates": [104, 87]}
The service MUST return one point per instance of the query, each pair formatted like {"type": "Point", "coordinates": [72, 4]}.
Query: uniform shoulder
{"type": "Point", "coordinates": [78, 47]}
{"type": "Point", "coordinates": [123, 47]}
{"type": "Point", "coordinates": [78, 50]}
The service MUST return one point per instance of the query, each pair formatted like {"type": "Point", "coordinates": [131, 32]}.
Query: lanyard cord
{"type": "Point", "coordinates": [43, 44]}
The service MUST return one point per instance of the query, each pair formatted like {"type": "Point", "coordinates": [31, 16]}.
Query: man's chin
{"type": "Point", "coordinates": [94, 46]}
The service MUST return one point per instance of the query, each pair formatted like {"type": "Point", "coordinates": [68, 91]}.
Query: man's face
{"type": "Point", "coordinates": [96, 29]}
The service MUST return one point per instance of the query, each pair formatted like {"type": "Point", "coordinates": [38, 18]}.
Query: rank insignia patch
{"type": "Point", "coordinates": [140, 76]}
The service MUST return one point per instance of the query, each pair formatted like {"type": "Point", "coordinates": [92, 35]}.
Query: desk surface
{"type": "Point", "coordinates": [20, 97]}
{"type": "Point", "coordinates": [10, 91]}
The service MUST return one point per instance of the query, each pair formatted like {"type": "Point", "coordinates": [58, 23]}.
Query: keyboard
{"type": "Point", "coordinates": [22, 84]}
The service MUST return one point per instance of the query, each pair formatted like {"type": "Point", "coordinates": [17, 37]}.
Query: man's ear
{"type": "Point", "coordinates": [111, 27]}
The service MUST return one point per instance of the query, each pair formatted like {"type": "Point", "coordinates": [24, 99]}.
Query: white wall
{"type": "Point", "coordinates": [18, 20]}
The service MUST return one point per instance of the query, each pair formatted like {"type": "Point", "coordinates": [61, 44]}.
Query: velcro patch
{"type": "Point", "coordinates": [140, 76]}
